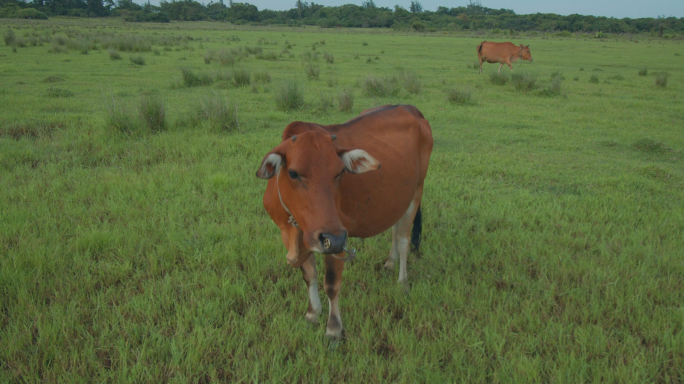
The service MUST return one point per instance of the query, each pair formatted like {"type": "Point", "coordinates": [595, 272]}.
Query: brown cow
{"type": "Point", "coordinates": [504, 53]}
{"type": "Point", "coordinates": [324, 191]}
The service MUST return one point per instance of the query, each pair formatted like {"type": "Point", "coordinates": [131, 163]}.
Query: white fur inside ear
{"type": "Point", "coordinates": [359, 161]}
{"type": "Point", "coordinates": [270, 166]}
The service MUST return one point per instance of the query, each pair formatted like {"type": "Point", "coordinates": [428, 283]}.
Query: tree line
{"type": "Point", "coordinates": [472, 16]}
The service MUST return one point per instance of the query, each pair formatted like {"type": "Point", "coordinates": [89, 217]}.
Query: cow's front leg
{"type": "Point", "coordinates": [333, 283]}
{"type": "Point", "coordinates": [500, 66]}
{"type": "Point", "coordinates": [310, 276]}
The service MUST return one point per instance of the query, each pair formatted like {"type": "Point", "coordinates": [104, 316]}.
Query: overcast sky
{"type": "Point", "coordinates": [609, 8]}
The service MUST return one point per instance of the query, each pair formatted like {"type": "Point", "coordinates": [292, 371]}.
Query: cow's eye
{"type": "Point", "coordinates": [293, 175]}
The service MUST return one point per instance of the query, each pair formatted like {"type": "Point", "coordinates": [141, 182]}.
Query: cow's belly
{"type": "Point", "coordinates": [376, 200]}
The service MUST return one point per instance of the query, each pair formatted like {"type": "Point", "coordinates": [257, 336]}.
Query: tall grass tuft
{"type": "Point", "coordinates": [312, 72]}
{"type": "Point", "coordinates": [190, 79]}
{"type": "Point", "coordinates": [120, 119]}
{"type": "Point", "coordinates": [460, 97]}
{"type": "Point", "coordinates": [151, 112]}
{"type": "Point", "coordinates": [241, 77]}
{"type": "Point", "coordinates": [594, 79]}
{"type": "Point", "coordinates": [329, 58]}
{"type": "Point", "coordinates": [9, 37]}
{"type": "Point", "coordinates": [380, 87]}
{"type": "Point", "coordinates": [325, 101]}
{"type": "Point", "coordinates": [411, 82]}
{"type": "Point", "coordinates": [346, 100]}
{"type": "Point", "coordinates": [269, 56]}
{"type": "Point", "coordinates": [498, 79]}
{"type": "Point", "coordinates": [113, 54]}
{"type": "Point", "coordinates": [289, 97]}
{"type": "Point", "coordinates": [643, 71]}
{"type": "Point", "coordinates": [138, 60]}
{"type": "Point", "coordinates": [554, 88]}
{"type": "Point", "coordinates": [58, 93]}
{"type": "Point", "coordinates": [220, 115]}
{"type": "Point", "coordinates": [661, 79]}
{"type": "Point", "coordinates": [523, 80]}
{"type": "Point", "coordinates": [262, 77]}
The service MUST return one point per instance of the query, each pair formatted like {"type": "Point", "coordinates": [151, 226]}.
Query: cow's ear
{"type": "Point", "coordinates": [270, 165]}
{"type": "Point", "coordinates": [358, 160]}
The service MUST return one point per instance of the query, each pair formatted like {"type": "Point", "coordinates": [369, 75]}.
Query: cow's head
{"type": "Point", "coordinates": [525, 52]}
{"type": "Point", "coordinates": [308, 168]}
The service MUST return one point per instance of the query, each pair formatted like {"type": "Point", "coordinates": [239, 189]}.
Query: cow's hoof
{"type": "Point", "coordinates": [389, 265]}
{"type": "Point", "coordinates": [311, 318]}
{"type": "Point", "coordinates": [335, 334]}
{"type": "Point", "coordinates": [404, 286]}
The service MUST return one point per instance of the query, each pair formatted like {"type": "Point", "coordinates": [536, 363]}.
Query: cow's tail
{"type": "Point", "coordinates": [479, 47]}
{"type": "Point", "coordinates": [416, 231]}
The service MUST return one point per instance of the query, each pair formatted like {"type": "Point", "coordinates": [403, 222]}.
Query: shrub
{"type": "Point", "coordinates": [473, 65]}
{"type": "Point", "coordinates": [346, 100]}
{"type": "Point", "coordinates": [523, 80]}
{"type": "Point", "coordinates": [576, 78]}
{"type": "Point", "coordinates": [411, 82]}
{"type": "Point", "coordinates": [262, 77]}
{"type": "Point", "coordinates": [457, 96]}
{"type": "Point", "coordinates": [9, 37]}
{"type": "Point", "coordinates": [365, 44]}
{"type": "Point", "coordinates": [498, 79]}
{"type": "Point", "coordinates": [380, 87]}
{"type": "Point", "coordinates": [253, 50]}
{"type": "Point", "coordinates": [554, 88]}
{"type": "Point", "coordinates": [220, 115]}
{"type": "Point", "coordinates": [156, 52]}
{"type": "Point", "coordinates": [58, 93]}
{"type": "Point", "coordinates": [661, 79]}
{"type": "Point", "coordinates": [329, 58]}
{"type": "Point", "coordinates": [241, 77]}
{"type": "Point", "coordinates": [643, 71]}
{"type": "Point", "coordinates": [113, 55]}
{"type": "Point", "coordinates": [312, 72]}
{"type": "Point", "coordinates": [650, 145]}
{"type": "Point", "coordinates": [151, 111]}
{"type": "Point", "coordinates": [57, 49]}
{"type": "Point", "coordinates": [289, 97]}
{"type": "Point", "coordinates": [594, 79]}
{"type": "Point", "coordinates": [207, 58]}
{"type": "Point", "coordinates": [138, 60]}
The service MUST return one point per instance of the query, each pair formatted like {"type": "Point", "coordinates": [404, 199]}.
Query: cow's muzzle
{"type": "Point", "coordinates": [331, 243]}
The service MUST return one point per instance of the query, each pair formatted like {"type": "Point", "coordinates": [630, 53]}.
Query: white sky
{"type": "Point", "coordinates": [609, 8]}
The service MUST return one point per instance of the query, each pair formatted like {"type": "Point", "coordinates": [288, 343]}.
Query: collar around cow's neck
{"type": "Point", "coordinates": [291, 220]}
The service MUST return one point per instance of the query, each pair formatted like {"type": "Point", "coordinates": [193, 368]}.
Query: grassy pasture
{"type": "Point", "coordinates": [552, 243]}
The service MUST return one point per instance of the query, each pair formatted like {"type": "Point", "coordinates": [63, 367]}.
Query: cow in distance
{"type": "Point", "coordinates": [504, 53]}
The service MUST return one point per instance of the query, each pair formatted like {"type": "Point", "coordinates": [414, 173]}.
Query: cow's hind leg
{"type": "Point", "coordinates": [333, 283]}
{"type": "Point", "coordinates": [310, 277]}
{"type": "Point", "coordinates": [403, 234]}
{"type": "Point", "coordinates": [394, 252]}
{"type": "Point", "coordinates": [498, 73]}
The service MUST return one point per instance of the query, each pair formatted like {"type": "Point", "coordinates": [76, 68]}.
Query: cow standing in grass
{"type": "Point", "coordinates": [504, 53]}
{"type": "Point", "coordinates": [326, 183]}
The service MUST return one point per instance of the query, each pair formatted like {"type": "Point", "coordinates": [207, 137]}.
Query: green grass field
{"type": "Point", "coordinates": [553, 217]}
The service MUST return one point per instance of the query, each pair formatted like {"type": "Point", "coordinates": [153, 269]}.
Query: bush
{"type": "Point", "coordinates": [457, 96]}
{"type": "Point", "coordinates": [380, 87]}
{"type": "Point", "coordinates": [312, 72]}
{"type": "Point", "coordinates": [220, 115]}
{"type": "Point", "coordinates": [643, 71]}
{"type": "Point", "coordinates": [151, 111]}
{"type": "Point", "coordinates": [498, 79]}
{"type": "Point", "coordinates": [289, 97]}
{"type": "Point", "coordinates": [9, 37]}
{"type": "Point", "coordinates": [524, 81]}
{"type": "Point", "coordinates": [365, 44]}
{"type": "Point", "coordinates": [113, 55]}
{"type": "Point", "coordinates": [138, 60]}
{"type": "Point", "coordinates": [241, 77]}
{"type": "Point", "coordinates": [253, 50]}
{"type": "Point", "coordinates": [346, 100]}
{"type": "Point", "coordinates": [411, 82]}
{"type": "Point", "coordinates": [30, 13]}
{"type": "Point", "coordinates": [120, 119]}
{"type": "Point", "coordinates": [661, 79]}
{"type": "Point", "coordinates": [329, 58]}
{"type": "Point", "coordinates": [594, 79]}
